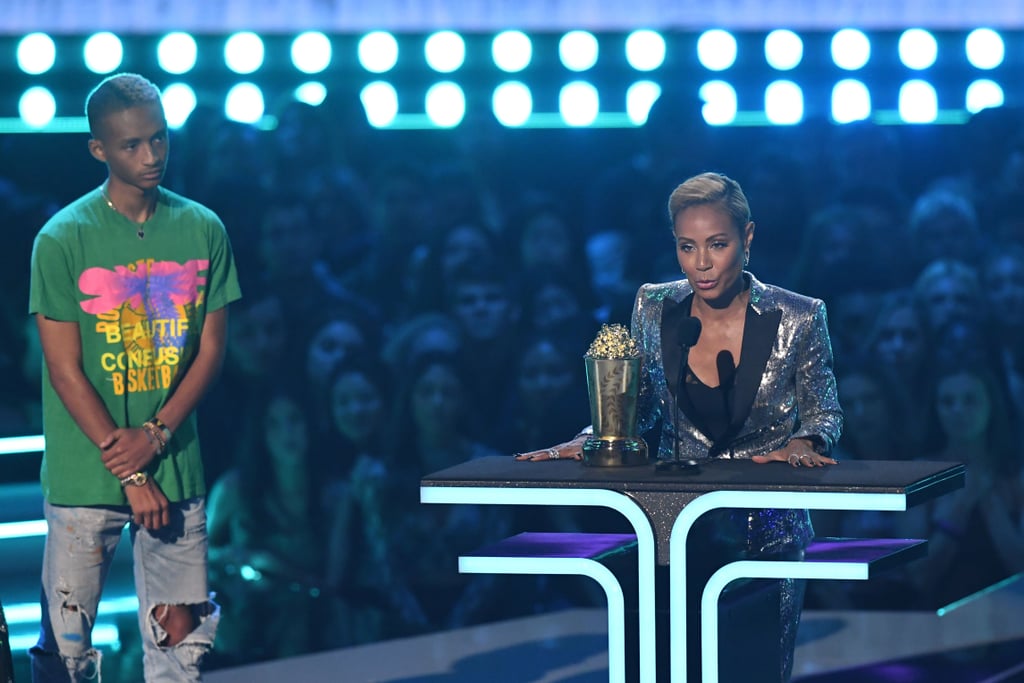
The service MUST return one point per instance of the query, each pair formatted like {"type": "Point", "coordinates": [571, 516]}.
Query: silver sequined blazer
{"type": "Point", "coordinates": [784, 388]}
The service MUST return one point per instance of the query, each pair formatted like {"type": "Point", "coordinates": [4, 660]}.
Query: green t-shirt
{"type": "Point", "coordinates": [140, 305]}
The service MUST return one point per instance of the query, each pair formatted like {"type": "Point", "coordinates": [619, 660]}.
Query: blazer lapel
{"type": "Point", "coordinates": [672, 356]}
{"type": "Point", "coordinates": [760, 330]}
{"type": "Point", "coordinates": [672, 313]}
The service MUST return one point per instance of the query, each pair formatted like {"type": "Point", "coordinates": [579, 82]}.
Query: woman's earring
{"type": "Point", "coordinates": [746, 259]}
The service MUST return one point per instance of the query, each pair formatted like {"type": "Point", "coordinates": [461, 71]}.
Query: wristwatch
{"type": "Point", "coordinates": [137, 479]}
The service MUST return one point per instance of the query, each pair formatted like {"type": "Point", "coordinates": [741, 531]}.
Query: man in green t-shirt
{"type": "Point", "coordinates": [130, 286]}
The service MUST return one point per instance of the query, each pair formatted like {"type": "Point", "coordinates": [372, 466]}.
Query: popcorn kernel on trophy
{"type": "Point", "coordinates": [613, 382]}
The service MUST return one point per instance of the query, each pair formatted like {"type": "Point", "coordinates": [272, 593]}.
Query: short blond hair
{"type": "Point", "coordinates": [711, 188]}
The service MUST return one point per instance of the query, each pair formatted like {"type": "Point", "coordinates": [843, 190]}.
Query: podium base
{"type": "Point", "coordinates": [615, 452]}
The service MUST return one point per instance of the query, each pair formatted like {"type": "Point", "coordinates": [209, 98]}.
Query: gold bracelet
{"type": "Point", "coordinates": [154, 433]}
{"type": "Point", "coordinates": [162, 426]}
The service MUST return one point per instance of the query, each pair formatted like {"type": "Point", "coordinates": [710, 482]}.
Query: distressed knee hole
{"type": "Point", "coordinates": [173, 623]}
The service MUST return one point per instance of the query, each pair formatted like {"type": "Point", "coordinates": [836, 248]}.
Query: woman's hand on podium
{"type": "Point", "coordinates": [567, 450]}
{"type": "Point", "coordinates": [798, 453]}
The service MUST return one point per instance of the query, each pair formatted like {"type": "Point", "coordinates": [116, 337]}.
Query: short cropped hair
{"type": "Point", "coordinates": [117, 93]}
{"type": "Point", "coordinates": [711, 188]}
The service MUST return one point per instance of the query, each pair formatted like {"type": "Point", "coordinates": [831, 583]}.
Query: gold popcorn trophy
{"type": "Point", "coordinates": [613, 382]}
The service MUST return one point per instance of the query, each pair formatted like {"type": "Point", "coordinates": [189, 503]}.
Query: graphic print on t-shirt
{"type": "Point", "coordinates": [143, 309]}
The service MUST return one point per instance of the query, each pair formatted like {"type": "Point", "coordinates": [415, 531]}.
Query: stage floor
{"type": "Point", "coordinates": [980, 641]}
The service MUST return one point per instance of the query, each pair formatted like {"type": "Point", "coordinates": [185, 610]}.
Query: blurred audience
{"type": "Point", "coordinates": [413, 300]}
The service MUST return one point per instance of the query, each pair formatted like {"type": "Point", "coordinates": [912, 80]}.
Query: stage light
{"type": "Point", "coordinates": [445, 104]}
{"type": "Point", "coordinates": [102, 635]}
{"type": "Point", "coordinates": [36, 53]}
{"type": "Point", "coordinates": [640, 97]}
{"type": "Point", "coordinates": [720, 103]}
{"type": "Point", "coordinates": [918, 102]}
{"type": "Point", "coordinates": [512, 104]}
{"type": "Point", "coordinates": [243, 52]}
{"type": "Point", "coordinates": [716, 49]}
{"type": "Point", "coordinates": [380, 101]}
{"type": "Point", "coordinates": [445, 51]}
{"type": "Point", "coordinates": [983, 94]}
{"type": "Point", "coordinates": [25, 529]}
{"type": "Point", "coordinates": [22, 444]}
{"type": "Point", "coordinates": [578, 103]}
{"type": "Point", "coordinates": [244, 103]}
{"type": "Point", "coordinates": [311, 92]}
{"type": "Point", "coordinates": [378, 52]}
{"type": "Point", "coordinates": [37, 107]}
{"type": "Point", "coordinates": [917, 49]}
{"type": "Point", "coordinates": [851, 101]}
{"type": "Point", "coordinates": [249, 573]}
{"type": "Point", "coordinates": [512, 51]}
{"type": "Point", "coordinates": [578, 50]}
{"type": "Point", "coordinates": [103, 52]}
{"type": "Point", "coordinates": [311, 52]}
{"type": "Point", "coordinates": [645, 50]}
{"type": "Point", "coordinates": [177, 52]}
{"type": "Point", "coordinates": [851, 49]}
{"type": "Point", "coordinates": [784, 103]}
{"type": "Point", "coordinates": [179, 102]}
{"type": "Point", "coordinates": [985, 48]}
{"type": "Point", "coordinates": [783, 50]}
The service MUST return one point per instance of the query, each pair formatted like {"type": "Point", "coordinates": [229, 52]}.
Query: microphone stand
{"type": "Point", "coordinates": [680, 380]}
{"type": "Point", "coordinates": [689, 333]}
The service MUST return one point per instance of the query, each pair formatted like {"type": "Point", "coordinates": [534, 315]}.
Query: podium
{"type": "Point", "coordinates": [662, 508]}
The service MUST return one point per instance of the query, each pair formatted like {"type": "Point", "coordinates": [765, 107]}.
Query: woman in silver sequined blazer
{"type": "Point", "coordinates": [733, 369]}
{"type": "Point", "coordinates": [755, 383]}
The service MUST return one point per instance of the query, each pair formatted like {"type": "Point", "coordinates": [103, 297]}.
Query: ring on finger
{"type": "Point", "coordinates": [808, 456]}
{"type": "Point", "coordinates": [793, 459]}
{"type": "Point", "coordinates": [553, 452]}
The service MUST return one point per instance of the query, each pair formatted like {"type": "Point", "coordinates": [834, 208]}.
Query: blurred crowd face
{"type": "Point", "coordinates": [948, 299]}
{"type": "Point", "coordinates": [606, 257]}
{"type": "Point", "coordinates": [1004, 278]}
{"type": "Point", "coordinates": [465, 244]}
{"type": "Point", "coordinates": [839, 244]}
{"type": "Point", "coordinates": [286, 433]}
{"type": "Point", "coordinates": [543, 374]}
{"type": "Point", "coordinates": [437, 401]}
{"type": "Point", "coordinates": [258, 334]}
{"type": "Point", "coordinates": [329, 345]}
{"type": "Point", "coordinates": [948, 234]}
{"type": "Point", "coordinates": [482, 309]}
{"type": "Point", "coordinates": [710, 250]}
{"type": "Point", "coordinates": [357, 407]}
{"type": "Point", "coordinates": [864, 406]}
{"type": "Point", "coordinates": [963, 406]}
{"type": "Point", "coordinates": [545, 243]}
{"type": "Point", "coordinates": [290, 243]}
{"type": "Point", "coordinates": [554, 304]}
{"type": "Point", "coordinates": [901, 341]}
{"type": "Point", "coordinates": [402, 210]}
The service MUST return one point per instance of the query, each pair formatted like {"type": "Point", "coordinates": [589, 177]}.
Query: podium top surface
{"type": "Point", "coordinates": [914, 478]}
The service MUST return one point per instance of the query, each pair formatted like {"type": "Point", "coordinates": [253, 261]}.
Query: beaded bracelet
{"type": "Point", "coordinates": [162, 427]}
{"type": "Point", "coordinates": [155, 436]}
{"type": "Point", "coordinates": [158, 432]}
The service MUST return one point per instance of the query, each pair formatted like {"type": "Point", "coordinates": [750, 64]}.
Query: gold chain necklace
{"type": "Point", "coordinates": [140, 227]}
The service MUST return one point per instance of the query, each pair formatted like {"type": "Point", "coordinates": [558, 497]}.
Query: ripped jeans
{"type": "Point", "coordinates": [169, 567]}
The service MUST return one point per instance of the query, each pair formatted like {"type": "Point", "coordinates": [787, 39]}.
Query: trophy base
{"type": "Point", "coordinates": [615, 452]}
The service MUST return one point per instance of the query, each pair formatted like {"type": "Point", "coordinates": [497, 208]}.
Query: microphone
{"type": "Point", "coordinates": [726, 379]}
{"type": "Point", "coordinates": [726, 369]}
